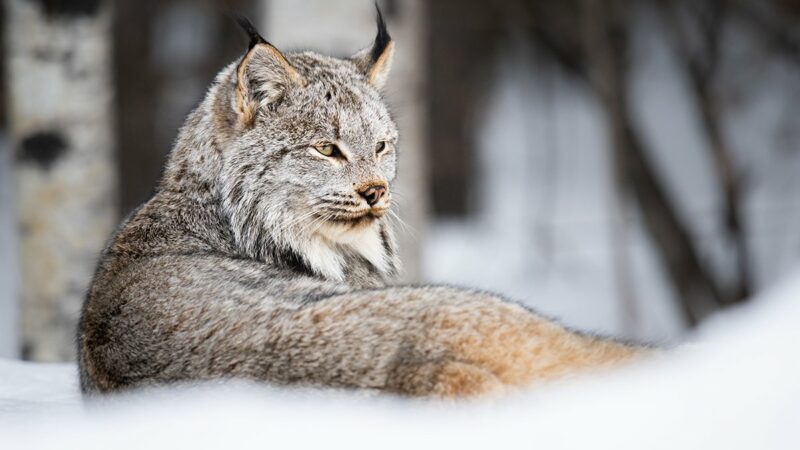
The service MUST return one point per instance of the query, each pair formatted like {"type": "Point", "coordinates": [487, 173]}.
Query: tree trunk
{"type": "Point", "coordinates": [60, 114]}
{"type": "Point", "coordinates": [700, 64]}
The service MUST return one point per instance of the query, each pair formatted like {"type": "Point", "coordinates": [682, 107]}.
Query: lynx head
{"type": "Point", "coordinates": [305, 152]}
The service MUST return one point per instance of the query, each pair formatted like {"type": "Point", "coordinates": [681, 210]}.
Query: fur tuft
{"type": "Point", "coordinates": [382, 39]}
{"type": "Point", "coordinates": [252, 34]}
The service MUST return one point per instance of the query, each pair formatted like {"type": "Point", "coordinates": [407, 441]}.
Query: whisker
{"type": "Point", "coordinates": [406, 228]}
{"type": "Point", "coordinates": [287, 225]}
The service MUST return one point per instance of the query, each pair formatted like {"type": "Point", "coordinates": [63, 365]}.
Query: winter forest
{"type": "Point", "coordinates": [629, 168]}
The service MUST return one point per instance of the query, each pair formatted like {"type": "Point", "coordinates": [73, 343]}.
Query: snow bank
{"type": "Point", "coordinates": [735, 386]}
{"type": "Point", "coordinates": [29, 388]}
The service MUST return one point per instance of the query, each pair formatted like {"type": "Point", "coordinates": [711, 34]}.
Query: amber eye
{"type": "Point", "coordinates": [328, 149]}
{"type": "Point", "coordinates": [380, 147]}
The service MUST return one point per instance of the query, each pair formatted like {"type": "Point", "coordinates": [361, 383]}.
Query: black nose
{"type": "Point", "coordinates": [373, 194]}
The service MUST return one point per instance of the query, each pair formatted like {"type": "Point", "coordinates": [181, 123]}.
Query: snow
{"type": "Point", "coordinates": [27, 388]}
{"type": "Point", "coordinates": [733, 385]}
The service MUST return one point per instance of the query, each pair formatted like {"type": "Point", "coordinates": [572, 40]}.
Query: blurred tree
{"type": "Point", "coordinates": [60, 114]}
{"type": "Point", "coordinates": [696, 29]}
{"type": "Point", "coordinates": [462, 43]}
{"type": "Point", "coordinates": [606, 47]}
{"type": "Point", "coordinates": [591, 40]}
{"type": "Point", "coordinates": [601, 58]}
{"type": "Point", "coordinates": [166, 53]}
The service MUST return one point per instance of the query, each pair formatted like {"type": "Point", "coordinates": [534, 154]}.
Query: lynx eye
{"type": "Point", "coordinates": [328, 149]}
{"type": "Point", "coordinates": [380, 147]}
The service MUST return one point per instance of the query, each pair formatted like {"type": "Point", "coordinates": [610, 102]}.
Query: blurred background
{"type": "Point", "coordinates": [628, 167]}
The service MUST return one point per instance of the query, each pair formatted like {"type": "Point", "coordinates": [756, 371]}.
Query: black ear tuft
{"type": "Point", "coordinates": [248, 28]}
{"type": "Point", "coordinates": [375, 62]}
{"type": "Point", "coordinates": [382, 39]}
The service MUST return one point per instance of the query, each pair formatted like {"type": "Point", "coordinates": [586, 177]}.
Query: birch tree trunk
{"type": "Point", "coordinates": [343, 27]}
{"type": "Point", "coordinates": [60, 113]}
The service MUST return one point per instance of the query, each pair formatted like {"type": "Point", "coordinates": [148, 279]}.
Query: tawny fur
{"type": "Point", "coordinates": [256, 258]}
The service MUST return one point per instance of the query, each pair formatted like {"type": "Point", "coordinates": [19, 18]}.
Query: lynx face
{"type": "Point", "coordinates": [313, 152]}
{"type": "Point", "coordinates": [325, 150]}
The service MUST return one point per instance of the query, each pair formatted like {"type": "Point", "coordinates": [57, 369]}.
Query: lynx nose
{"type": "Point", "coordinates": [373, 193]}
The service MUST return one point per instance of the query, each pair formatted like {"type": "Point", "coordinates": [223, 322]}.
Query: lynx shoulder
{"type": "Point", "coordinates": [265, 254]}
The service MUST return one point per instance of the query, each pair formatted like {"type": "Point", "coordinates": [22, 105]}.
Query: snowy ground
{"type": "Point", "coordinates": [733, 386]}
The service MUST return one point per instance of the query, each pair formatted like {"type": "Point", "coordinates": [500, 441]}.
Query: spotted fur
{"type": "Point", "coordinates": [257, 258]}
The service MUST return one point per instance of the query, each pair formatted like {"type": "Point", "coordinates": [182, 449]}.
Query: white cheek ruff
{"type": "Point", "coordinates": [370, 246]}
{"type": "Point", "coordinates": [364, 241]}
{"type": "Point", "coordinates": [322, 257]}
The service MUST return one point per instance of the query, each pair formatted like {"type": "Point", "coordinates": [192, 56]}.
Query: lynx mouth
{"type": "Point", "coordinates": [359, 218]}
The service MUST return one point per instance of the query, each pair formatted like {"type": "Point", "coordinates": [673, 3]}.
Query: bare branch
{"type": "Point", "coordinates": [700, 68]}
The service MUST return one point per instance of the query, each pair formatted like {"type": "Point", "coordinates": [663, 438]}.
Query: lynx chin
{"type": "Point", "coordinates": [265, 254]}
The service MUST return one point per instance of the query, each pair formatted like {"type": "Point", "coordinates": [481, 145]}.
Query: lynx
{"type": "Point", "coordinates": [265, 254]}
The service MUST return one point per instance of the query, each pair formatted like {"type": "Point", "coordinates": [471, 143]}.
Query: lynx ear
{"type": "Point", "coordinates": [376, 62]}
{"type": "Point", "coordinates": [262, 77]}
